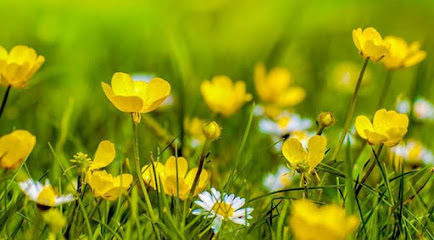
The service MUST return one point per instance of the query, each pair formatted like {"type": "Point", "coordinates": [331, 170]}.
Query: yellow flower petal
{"type": "Point", "coordinates": [122, 103]}
{"type": "Point", "coordinates": [123, 84]}
{"type": "Point", "coordinates": [105, 154]}
{"type": "Point", "coordinates": [316, 147]}
{"type": "Point", "coordinates": [157, 91]}
{"type": "Point", "coordinates": [362, 124]}
{"type": "Point", "coordinates": [374, 138]}
{"type": "Point", "coordinates": [170, 166]}
{"type": "Point", "coordinates": [293, 151]}
{"type": "Point", "coordinates": [15, 147]}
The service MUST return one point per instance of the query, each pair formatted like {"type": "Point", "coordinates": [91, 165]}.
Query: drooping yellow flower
{"type": "Point", "coordinates": [388, 127]}
{"type": "Point", "coordinates": [370, 43]}
{"type": "Point", "coordinates": [102, 183]}
{"type": "Point", "coordinates": [223, 96]}
{"type": "Point", "coordinates": [308, 221]}
{"type": "Point", "coordinates": [106, 186]}
{"type": "Point", "coordinates": [275, 87]}
{"type": "Point", "coordinates": [19, 65]}
{"type": "Point", "coordinates": [132, 96]}
{"type": "Point", "coordinates": [401, 54]}
{"type": "Point", "coordinates": [302, 160]}
{"type": "Point", "coordinates": [167, 175]}
{"type": "Point", "coordinates": [15, 147]}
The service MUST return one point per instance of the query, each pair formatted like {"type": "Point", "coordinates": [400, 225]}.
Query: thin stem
{"type": "Point", "coordinates": [5, 99]}
{"type": "Point", "coordinates": [371, 168]}
{"type": "Point", "coordinates": [137, 164]}
{"type": "Point", "coordinates": [350, 110]}
{"type": "Point", "coordinates": [91, 214]}
{"type": "Point", "coordinates": [199, 169]}
{"type": "Point", "coordinates": [385, 89]}
{"type": "Point", "coordinates": [74, 210]}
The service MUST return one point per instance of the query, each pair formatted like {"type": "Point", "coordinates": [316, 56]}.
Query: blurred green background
{"type": "Point", "coordinates": [185, 42]}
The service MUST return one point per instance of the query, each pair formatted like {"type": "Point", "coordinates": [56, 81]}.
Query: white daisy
{"type": "Point", "coordinates": [284, 124]}
{"type": "Point", "coordinates": [44, 195]}
{"type": "Point", "coordinates": [423, 110]}
{"type": "Point", "coordinates": [222, 208]}
{"type": "Point", "coordinates": [279, 180]}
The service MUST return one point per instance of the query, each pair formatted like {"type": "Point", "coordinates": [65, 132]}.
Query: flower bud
{"type": "Point", "coordinates": [326, 119]}
{"type": "Point", "coordinates": [211, 130]}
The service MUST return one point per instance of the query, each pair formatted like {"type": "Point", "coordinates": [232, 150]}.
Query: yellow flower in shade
{"type": "Point", "coordinates": [102, 183]}
{"type": "Point", "coordinates": [308, 221]}
{"type": "Point", "coordinates": [44, 195]}
{"type": "Point", "coordinates": [223, 96]}
{"type": "Point", "coordinates": [18, 66]}
{"type": "Point", "coordinates": [401, 54]}
{"type": "Point", "coordinates": [370, 43]}
{"type": "Point", "coordinates": [275, 87]}
{"type": "Point", "coordinates": [388, 127]}
{"type": "Point", "coordinates": [106, 186]}
{"type": "Point", "coordinates": [55, 220]}
{"type": "Point", "coordinates": [15, 147]}
{"type": "Point", "coordinates": [301, 159]}
{"type": "Point", "coordinates": [167, 175]}
{"type": "Point", "coordinates": [132, 96]}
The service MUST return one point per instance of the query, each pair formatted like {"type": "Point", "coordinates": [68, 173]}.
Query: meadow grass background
{"type": "Point", "coordinates": [186, 42]}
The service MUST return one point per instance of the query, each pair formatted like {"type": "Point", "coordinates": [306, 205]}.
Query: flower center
{"type": "Point", "coordinates": [283, 122]}
{"type": "Point", "coordinates": [47, 196]}
{"type": "Point", "coordinates": [223, 209]}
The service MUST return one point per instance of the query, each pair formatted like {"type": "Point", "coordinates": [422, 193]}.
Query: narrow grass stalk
{"type": "Point", "coordinates": [370, 169]}
{"type": "Point", "coordinates": [5, 99]}
{"type": "Point", "coordinates": [199, 169]}
{"type": "Point", "coordinates": [350, 110]}
{"type": "Point", "coordinates": [385, 89]}
{"type": "Point", "coordinates": [137, 164]}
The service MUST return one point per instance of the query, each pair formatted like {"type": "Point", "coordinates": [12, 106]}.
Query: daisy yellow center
{"type": "Point", "coordinates": [283, 122]}
{"type": "Point", "coordinates": [223, 209]}
{"type": "Point", "coordinates": [47, 196]}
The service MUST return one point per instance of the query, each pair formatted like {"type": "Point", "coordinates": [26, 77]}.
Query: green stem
{"type": "Point", "coordinates": [90, 215]}
{"type": "Point", "coordinates": [350, 110]}
{"type": "Point", "coordinates": [371, 168]}
{"type": "Point", "coordinates": [199, 169]}
{"type": "Point", "coordinates": [385, 89]}
{"type": "Point", "coordinates": [137, 164]}
{"type": "Point", "coordinates": [5, 99]}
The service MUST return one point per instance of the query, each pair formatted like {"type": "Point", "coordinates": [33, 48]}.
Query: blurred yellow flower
{"type": "Point", "coordinates": [370, 43]}
{"type": "Point", "coordinates": [302, 160]}
{"type": "Point", "coordinates": [194, 128]}
{"type": "Point", "coordinates": [15, 147]}
{"type": "Point", "coordinates": [102, 183]}
{"type": "Point", "coordinates": [167, 175]}
{"type": "Point", "coordinates": [387, 128]}
{"type": "Point", "coordinates": [401, 55]}
{"type": "Point", "coordinates": [343, 76]}
{"type": "Point", "coordinates": [132, 96]}
{"type": "Point", "coordinates": [106, 186]}
{"type": "Point", "coordinates": [55, 220]}
{"type": "Point", "coordinates": [308, 221]}
{"type": "Point", "coordinates": [275, 87]}
{"type": "Point", "coordinates": [223, 96]}
{"type": "Point", "coordinates": [18, 66]}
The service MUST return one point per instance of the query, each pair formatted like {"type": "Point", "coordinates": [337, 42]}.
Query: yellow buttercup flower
{"type": "Point", "coordinates": [132, 96]}
{"type": "Point", "coordinates": [223, 96]}
{"type": "Point", "coordinates": [388, 127]}
{"type": "Point", "coordinates": [18, 66]}
{"type": "Point", "coordinates": [302, 160]}
{"type": "Point", "coordinates": [370, 43]}
{"type": "Point", "coordinates": [102, 183]}
{"type": "Point", "coordinates": [308, 221]}
{"type": "Point", "coordinates": [401, 54]}
{"type": "Point", "coordinates": [275, 87]}
{"type": "Point", "coordinates": [106, 186]}
{"type": "Point", "coordinates": [167, 175]}
{"type": "Point", "coordinates": [15, 147]}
